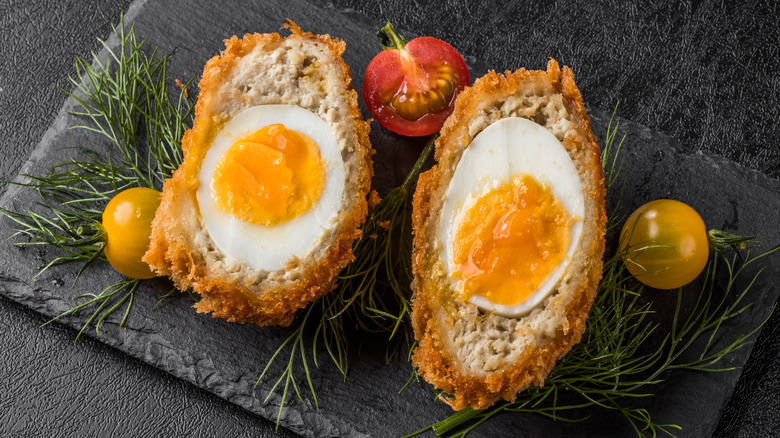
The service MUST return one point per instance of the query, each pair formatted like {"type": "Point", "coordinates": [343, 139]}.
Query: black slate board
{"type": "Point", "coordinates": [226, 358]}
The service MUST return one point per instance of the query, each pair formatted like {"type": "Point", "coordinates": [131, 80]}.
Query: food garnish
{"type": "Point", "coordinates": [125, 99]}
{"type": "Point", "coordinates": [410, 86]}
{"type": "Point", "coordinates": [127, 221]}
{"type": "Point", "coordinates": [666, 244]}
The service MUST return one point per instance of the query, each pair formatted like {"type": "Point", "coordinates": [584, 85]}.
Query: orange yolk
{"type": "Point", "coordinates": [509, 241]}
{"type": "Point", "coordinates": [270, 176]}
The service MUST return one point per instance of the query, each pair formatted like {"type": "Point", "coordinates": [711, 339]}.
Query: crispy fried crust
{"type": "Point", "coordinates": [436, 361]}
{"type": "Point", "coordinates": [173, 250]}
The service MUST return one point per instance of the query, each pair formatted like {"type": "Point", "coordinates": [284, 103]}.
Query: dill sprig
{"type": "Point", "coordinates": [371, 293]}
{"type": "Point", "coordinates": [106, 302]}
{"type": "Point", "coordinates": [374, 290]}
{"type": "Point", "coordinates": [125, 99]}
{"type": "Point", "coordinates": [297, 345]}
{"type": "Point", "coordinates": [616, 360]}
{"type": "Point", "coordinates": [612, 162]}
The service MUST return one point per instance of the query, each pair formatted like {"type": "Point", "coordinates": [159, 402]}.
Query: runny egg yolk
{"type": "Point", "coordinates": [269, 176]}
{"type": "Point", "coordinates": [509, 241]}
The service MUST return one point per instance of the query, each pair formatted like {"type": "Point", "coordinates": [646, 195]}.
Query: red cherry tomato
{"type": "Point", "coordinates": [127, 221]}
{"type": "Point", "coordinates": [410, 87]}
{"type": "Point", "coordinates": [666, 244]}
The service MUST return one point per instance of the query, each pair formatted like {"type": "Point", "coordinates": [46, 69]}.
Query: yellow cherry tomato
{"type": "Point", "coordinates": [127, 221]}
{"type": "Point", "coordinates": [666, 244]}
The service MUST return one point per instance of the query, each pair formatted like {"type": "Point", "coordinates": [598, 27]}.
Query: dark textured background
{"type": "Point", "coordinates": [704, 74]}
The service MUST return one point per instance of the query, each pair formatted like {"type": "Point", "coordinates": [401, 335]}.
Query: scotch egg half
{"type": "Point", "coordinates": [264, 209]}
{"type": "Point", "coordinates": [509, 237]}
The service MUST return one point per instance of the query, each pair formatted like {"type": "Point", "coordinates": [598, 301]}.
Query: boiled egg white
{"type": "Point", "coordinates": [270, 246]}
{"type": "Point", "coordinates": [511, 154]}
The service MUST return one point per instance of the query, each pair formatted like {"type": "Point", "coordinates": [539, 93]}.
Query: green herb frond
{"type": "Point", "coordinates": [129, 100]}
{"type": "Point", "coordinates": [105, 303]}
{"type": "Point", "coordinates": [612, 162]}
{"type": "Point", "coordinates": [295, 344]}
{"type": "Point", "coordinates": [374, 290]}
{"type": "Point", "coordinates": [74, 234]}
{"type": "Point", "coordinates": [721, 240]}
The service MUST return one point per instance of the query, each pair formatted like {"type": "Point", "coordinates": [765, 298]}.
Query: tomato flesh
{"type": "Point", "coordinates": [127, 221]}
{"type": "Point", "coordinates": [666, 244]}
{"type": "Point", "coordinates": [411, 90]}
{"type": "Point", "coordinates": [423, 89]}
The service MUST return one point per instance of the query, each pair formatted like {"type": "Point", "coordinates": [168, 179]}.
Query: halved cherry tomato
{"type": "Point", "coordinates": [410, 87]}
{"type": "Point", "coordinates": [127, 221]}
{"type": "Point", "coordinates": [666, 244]}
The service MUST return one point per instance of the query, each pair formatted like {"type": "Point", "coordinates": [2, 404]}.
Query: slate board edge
{"type": "Point", "coordinates": [41, 306]}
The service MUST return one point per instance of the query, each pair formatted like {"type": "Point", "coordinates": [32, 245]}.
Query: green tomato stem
{"type": "Point", "coordinates": [389, 39]}
{"type": "Point", "coordinates": [89, 235]}
{"type": "Point", "coordinates": [721, 240]}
